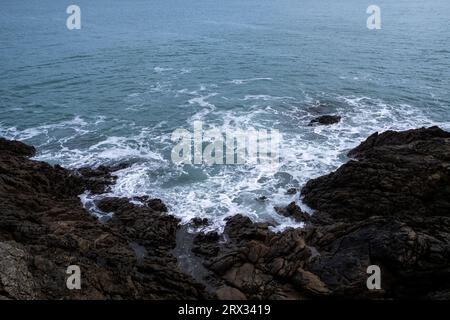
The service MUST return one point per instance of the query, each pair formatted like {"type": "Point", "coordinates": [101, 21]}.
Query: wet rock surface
{"type": "Point", "coordinates": [388, 206]}
{"type": "Point", "coordinates": [199, 222]}
{"type": "Point", "coordinates": [293, 211]}
{"type": "Point", "coordinates": [262, 264]}
{"type": "Point", "coordinates": [388, 178]}
{"type": "Point", "coordinates": [99, 180]}
{"type": "Point", "coordinates": [44, 229]}
{"type": "Point", "coordinates": [291, 191]}
{"type": "Point", "coordinates": [325, 120]}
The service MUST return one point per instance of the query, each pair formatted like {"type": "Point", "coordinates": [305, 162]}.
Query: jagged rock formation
{"type": "Point", "coordinates": [390, 207]}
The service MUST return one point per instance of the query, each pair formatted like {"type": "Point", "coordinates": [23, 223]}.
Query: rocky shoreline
{"type": "Point", "coordinates": [388, 206]}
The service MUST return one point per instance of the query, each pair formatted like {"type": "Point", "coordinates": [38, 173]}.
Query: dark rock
{"type": "Point", "coordinates": [230, 293]}
{"type": "Point", "coordinates": [199, 222]}
{"type": "Point", "coordinates": [291, 191]}
{"type": "Point", "coordinates": [44, 229]}
{"type": "Point", "coordinates": [391, 208]}
{"type": "Point", "coordinates": [153, 229]}
{"type": "Point", "coordinates": [325, 120]}
{"type": "Point", "coordinates": [258, 262]}
{"type": "Point", "coordinates": [293, 211]}
{"type": "Point", "coordinates": [16, 148]}
{"type": "Point", "coordinates": [99, 180]}
{"type": "Point", "coordinates": [206, 244]}
{"type": "Point", "coordinates": [15, 279]}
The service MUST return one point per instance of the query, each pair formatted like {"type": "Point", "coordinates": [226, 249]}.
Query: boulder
{"type": "Point", "coordinates": [293, 211]}
{"type": "Point", "coordinates": [325, 120]}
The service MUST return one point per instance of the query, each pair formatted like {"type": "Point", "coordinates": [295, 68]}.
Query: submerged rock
{"type": "Point", "coordinates": [325, 120]}
{"type": "Point", "coordinates": [257, 262]}
{"type": "Point", "coordinates": [230, 293]}
{"type": "Point", "coordinates": [15, 278]}
{"type": "Point", "coordinates": [199, 222]}
{"type": "Point", "coordinates": [100, 179]}
{"type": "Point", "coordinates": [291, 191]}
{"type": "Point", "coordinates": [293, 211]}
{"type": "Point", "coordinates": [206, 244]}
{"type": "Point", "coordinates": [404, 175]}
{"type": "Point", "coordinates": [262, 198]}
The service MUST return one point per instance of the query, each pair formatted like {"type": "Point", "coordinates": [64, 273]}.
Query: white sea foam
{"type": "Point", "coordinates": [161, 69]}
{"type": "Point", "coordinates": [76, 124]}
{"type": "Point", "coordinates": [201, 101]}
{"type": "Point", "coordinates": [207, 107]}
{"type": "Point", "coordinates": [88, 201]}
{"type": "Point", "coordinates": [245, 81]}
{"type": "Point", "coordinates": [111, 150]}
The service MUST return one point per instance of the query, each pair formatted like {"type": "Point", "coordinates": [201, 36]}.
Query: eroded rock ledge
{"type": "Point", "coordinates": [44, 229]}
{"type": "Point", "coordinates": [390, 206]}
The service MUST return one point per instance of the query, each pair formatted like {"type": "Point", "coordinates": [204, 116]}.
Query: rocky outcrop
{"type": "Point", "coordinates": [390, 207]}
{"type": "Point", "coordinates": [325, 120]}
{"type": "Point", "coordinates": [293, 211]}
{"type": "Point", "coordinates": [99, 180]}
{"type": "Point", "coordinates": [44, 229]}
{"type": "Point", "coordinates": [260, 264]}
{"type": "Point", "coordinates": [394, 174]}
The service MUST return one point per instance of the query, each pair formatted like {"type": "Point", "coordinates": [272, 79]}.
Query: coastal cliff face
{"type": "Point", "coordinates": [389, 206]}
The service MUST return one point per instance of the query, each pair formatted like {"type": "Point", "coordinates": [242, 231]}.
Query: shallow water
{"type": "Point", "coordinates": [116, 89]}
